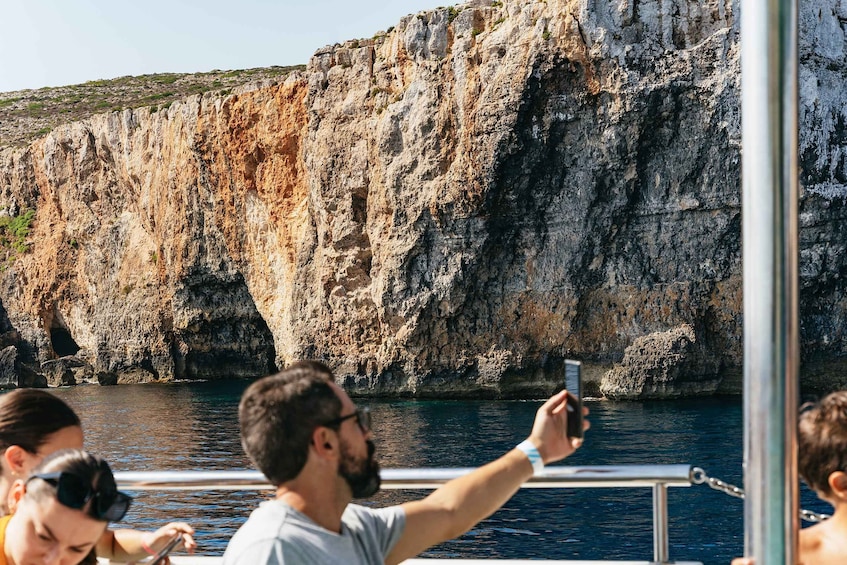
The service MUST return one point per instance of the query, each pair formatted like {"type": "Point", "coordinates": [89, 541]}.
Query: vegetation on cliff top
{"type": "Point", "coordinates": [26, 115]}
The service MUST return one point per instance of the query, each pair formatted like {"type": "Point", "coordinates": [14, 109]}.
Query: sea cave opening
{"type": "Point", "coordinates": [63, 342]}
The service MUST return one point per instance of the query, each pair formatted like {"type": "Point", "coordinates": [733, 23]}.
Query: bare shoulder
{"type": "Point", "coordinates": [823, 544]}
{"type": "Point", "coordinates": [811, 539]}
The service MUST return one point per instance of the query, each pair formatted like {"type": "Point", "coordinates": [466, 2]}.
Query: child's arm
{"type": "Point", "coordinates": [131, 545]}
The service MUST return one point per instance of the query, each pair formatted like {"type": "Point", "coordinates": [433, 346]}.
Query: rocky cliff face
{"type": "Point", "coordinates": [452, 207]}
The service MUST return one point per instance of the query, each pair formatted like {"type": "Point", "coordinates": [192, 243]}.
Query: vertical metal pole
{"type": "Point", "coordinates": [770, 255]}
{"type": "Point", "coordinates": [661, 553]}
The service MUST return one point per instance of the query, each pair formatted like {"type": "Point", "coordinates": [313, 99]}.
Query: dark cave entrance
{"type": "Point", "coordinates": [63, 342]}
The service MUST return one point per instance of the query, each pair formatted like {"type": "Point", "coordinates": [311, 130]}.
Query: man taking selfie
{"type": "Point", "coordinates": [312, 443]}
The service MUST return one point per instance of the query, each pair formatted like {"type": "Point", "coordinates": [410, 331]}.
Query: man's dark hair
{"type": "Point", "coordinates": [822, 441]}
{"type": "Point", "coordinates": [28, 417]}
{"type": "Point", "coordinates": [279, 413]}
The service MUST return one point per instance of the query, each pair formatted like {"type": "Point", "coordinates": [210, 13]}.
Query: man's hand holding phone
{"type": "Point", "coordinates": [549, 432]}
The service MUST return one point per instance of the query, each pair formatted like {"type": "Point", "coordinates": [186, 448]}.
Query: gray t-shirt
{"type": "Point", "coordinates": [277, 534]}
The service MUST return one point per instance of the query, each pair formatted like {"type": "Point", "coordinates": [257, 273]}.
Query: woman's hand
{"type": "Point", "coordinates": [132, 545]}
{"type": "Point", "coordinates": [157, 540]}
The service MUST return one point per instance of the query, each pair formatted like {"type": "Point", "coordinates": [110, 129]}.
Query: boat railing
{"type": "Point", "coordinates": [656, 477]}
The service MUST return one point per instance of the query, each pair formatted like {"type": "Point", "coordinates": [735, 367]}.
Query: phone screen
{"type": "Point", "coordinates": [573, 383]}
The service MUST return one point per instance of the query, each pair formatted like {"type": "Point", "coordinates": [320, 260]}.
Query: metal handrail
{"type": "Point", "coordinates": [657, 477]}
{"type": "Point", "coordinates": [601, 476]}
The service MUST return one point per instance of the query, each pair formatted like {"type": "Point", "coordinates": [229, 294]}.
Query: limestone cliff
{"type": "Point", "coordinates": [451, 207]}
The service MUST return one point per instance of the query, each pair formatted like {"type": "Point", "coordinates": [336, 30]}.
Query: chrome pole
{"type": "Point", "coordinates": [661, 547]}
{"type": "Point", "coordinates": [770, 255]}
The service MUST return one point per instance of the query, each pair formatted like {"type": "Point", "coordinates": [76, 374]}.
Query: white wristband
{"type": "Point", "coordinates": [532, 453]}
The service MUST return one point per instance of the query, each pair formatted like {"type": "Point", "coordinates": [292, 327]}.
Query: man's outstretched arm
{"type": "Point", "coordinates": [460, 504]}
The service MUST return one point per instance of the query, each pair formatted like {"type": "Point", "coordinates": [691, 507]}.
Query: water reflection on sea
{"type": "Point", "coordinates": [195, 426]}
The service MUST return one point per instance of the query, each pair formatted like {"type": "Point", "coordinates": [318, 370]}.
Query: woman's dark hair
{"type": "Point", "coordinates": [822, 440]}
{"type": "Point", "coordinates": [29, 416]}
{"type": "Point", "coordinates": [90, 472]}
{"type": "Point", "coordinates": [279, 413]}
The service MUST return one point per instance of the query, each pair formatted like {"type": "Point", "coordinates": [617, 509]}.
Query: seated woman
{"type": "Point", "coordinates": [34, 424]}
{"type": "Point", "coordinates": [61, 510]}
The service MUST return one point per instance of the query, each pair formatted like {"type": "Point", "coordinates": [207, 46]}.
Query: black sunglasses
{"type": "Point", "coordinates": [108, 504]}
{"type": "Point", "coordinates": [363, 419]}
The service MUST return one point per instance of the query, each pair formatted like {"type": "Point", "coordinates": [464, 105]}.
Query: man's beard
{"type": "Point", "coordinates": [362, 475]}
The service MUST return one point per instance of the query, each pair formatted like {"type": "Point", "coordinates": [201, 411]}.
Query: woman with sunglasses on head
{"type": "Point", "coordinates": [60, 511]}
{"type": "Point", "coordinates": [34, 424]}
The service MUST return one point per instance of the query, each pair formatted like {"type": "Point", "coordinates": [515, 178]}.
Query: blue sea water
{"type": "Point", "coordinates": [195, 426]}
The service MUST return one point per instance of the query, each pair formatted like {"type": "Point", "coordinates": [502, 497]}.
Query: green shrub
{"type": "Point", "coordinates": [19, 225]}
{"type": "Point", "coordinates": [167, 78]}
{"type": "Point", "coordinates": [14, 230]}
{"type": "Point", "coordinates": [159, 96]}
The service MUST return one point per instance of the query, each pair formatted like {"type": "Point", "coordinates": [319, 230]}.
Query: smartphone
{"type": "Point", "coordinates": [159, 558]}
{"type": "Point", "coordinates": [573, 383]}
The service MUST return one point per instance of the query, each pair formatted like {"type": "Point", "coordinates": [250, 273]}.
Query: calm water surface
{"type": "Point", "coordinates": [195, 426]}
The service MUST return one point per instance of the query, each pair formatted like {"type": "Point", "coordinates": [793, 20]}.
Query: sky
{"type": "Point", "coordinates": [61, 42]}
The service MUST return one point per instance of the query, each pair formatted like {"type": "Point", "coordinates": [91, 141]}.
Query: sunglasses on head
{"type": "Point", "coordinates": [109, 505]}
{"type": "Point", "coordinates": [363, 419]}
